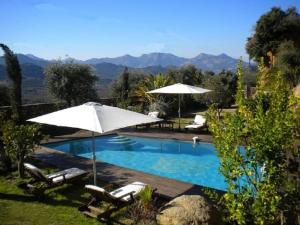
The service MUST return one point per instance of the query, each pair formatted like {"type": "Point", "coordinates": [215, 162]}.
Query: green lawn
{"type": "Point", "coordinates": [189, 117]}
{"type": "Point", "coordinates": [58, 207]}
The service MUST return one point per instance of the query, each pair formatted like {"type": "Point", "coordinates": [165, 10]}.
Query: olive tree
{"type": "Point", "coordinates": [70, 82]}
{"type": "Point", "coordinates": [19, 141]}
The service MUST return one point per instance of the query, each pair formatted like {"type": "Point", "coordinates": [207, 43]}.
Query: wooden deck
{"type": "Point", "coordinates": [169, 188]}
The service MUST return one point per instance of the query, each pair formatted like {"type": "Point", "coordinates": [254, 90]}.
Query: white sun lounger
{"type": "Point", "coordinates": [122, 193]}
{"type": "Point", "coordinates": [199, 122]}
{"type": "Point", "coordinates": [119, 198]}
{"type": "Point", "coordinates": [54, 179]}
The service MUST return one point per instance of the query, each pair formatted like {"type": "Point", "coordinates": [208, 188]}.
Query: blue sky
{"type": "Point", "coordinates": [108, 28]}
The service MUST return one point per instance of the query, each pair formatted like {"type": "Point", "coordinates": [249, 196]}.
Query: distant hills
{"type": "Point", "coordinates": [202, 61]}
{"type": "Point", "coordinates": [109, 68]}
{"type": "Point", "coordinates": [33, 66]}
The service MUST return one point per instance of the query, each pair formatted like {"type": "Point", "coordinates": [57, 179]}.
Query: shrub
{"type": "Point", "coordinates": [260, 186]}
{"type": "Point", "coordinates": [144, 210]}
{"type": "Point", "coordinates": [19, 141]}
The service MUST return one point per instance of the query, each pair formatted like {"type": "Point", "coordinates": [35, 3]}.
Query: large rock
{"type": "Point", "coordinates": [189, 210]}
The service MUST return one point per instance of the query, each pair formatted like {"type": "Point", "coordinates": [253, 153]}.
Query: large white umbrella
{"type": "Point", "coordinates": [96, 118]}
{"type": "Point", "coordinates": [179, 89]}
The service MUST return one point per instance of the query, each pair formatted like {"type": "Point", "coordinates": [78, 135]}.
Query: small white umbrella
{"type": "Point", "coordinates": [179, 89]}
{"type": "Point", "coordinates": [96, 118]}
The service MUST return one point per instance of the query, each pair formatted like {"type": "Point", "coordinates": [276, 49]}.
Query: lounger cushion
{"type": "Point", "coordinates": [69, 174]}
{"type": "Point", "coordinates": [94, 187]}
{"type": "Point", "coordinates": [135, 186]}
{"type": "Point", "coordinates": [153, 114]}
{"type": "Point", "coordinates": [193, 126]}
{"type": "Point", "coordinates": [35, 170]}
{"type": "Point", "coordinates": [200, 120]}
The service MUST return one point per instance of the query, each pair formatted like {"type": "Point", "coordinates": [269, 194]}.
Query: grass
{"type": "Point", "coordinates": [58, 207]}
{"type": "Point", "coordinates": [188, 118]}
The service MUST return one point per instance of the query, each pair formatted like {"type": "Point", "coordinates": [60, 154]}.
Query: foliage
{"type": "Point", "coordinates": [150, 83]}
{"type": "Point", "coordinates": [288, 60]}
{"type": "Point", "coordinates": [130, 83]}
{"type": "Point", "coordinates": [249, 78]}
{"type": "Point", "coordinates": [223, 88]}
{"type": "Point", "coordinates": [73, 83]}
{"type": "Point", "coordinates": [4, 95]}
{"type": "Point", "coordinates": [5, 160]}
{"type": "Point", "coordinates": [189, 75]}
{"type": "Point", "coordinates": [125, 84]}
{"type": "Point", "coordinates": [186, 75]}
{"type": "Point", "coordinates": [260, 185]}
{"type": "Point", "coordinates": [139, 85]}
{"type": "Point", "coordinates": [19, 141]}
{"type": "Point", "coordinates": [144, 211]}
{"type": "Point", "coordinates": [273, 28]}
{"type": "Point", "coordinates": [14, 73]}
{"type": "Point", "coordinates": [145, 195]}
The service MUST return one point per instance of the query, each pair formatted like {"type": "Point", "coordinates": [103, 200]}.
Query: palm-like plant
{"type": "Point", "coordinates": [150, 83]}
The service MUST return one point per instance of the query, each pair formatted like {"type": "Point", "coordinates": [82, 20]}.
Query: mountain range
{"type": "Point", "coordinates": [109, 68]}
{"type": "Point", "coordinates": [202, 61]}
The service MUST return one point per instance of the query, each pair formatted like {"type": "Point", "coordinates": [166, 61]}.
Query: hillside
{"type": "Point", "coordinates": [111, 66]}
{"type": "Point", "coordinates": [107, 69]}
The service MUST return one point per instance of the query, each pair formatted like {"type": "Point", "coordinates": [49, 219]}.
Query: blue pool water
{"type": "Point", "coordinates": [180, 160]}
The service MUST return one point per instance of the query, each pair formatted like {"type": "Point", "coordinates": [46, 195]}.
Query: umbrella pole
{"type": "Point", "coordinates": [94, 160]}
{"type": "Point", "coordinates": [179, 114]}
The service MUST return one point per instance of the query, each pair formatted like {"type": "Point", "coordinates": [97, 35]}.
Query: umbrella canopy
{"type": "Point", "coordinates": [96, 118]}
{"type": "Point", "coordinates": [179, 89]}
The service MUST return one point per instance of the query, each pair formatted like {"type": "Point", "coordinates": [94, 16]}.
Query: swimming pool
{"type": "Point", "coordinates": [180, 160]}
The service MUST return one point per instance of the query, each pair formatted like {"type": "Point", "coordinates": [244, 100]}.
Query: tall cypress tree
{"type": "Point", "coordinates": [14, 73]}
{"type": "Point", "coordinates": [125, 84]}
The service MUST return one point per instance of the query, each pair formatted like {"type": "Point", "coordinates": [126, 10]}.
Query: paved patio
{"type": "Point", "coordinates": [119, 175]}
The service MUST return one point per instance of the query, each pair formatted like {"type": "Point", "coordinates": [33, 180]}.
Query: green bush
{"type": "Point", "coordinates": [19, 141]}
{"type": "Point", "coordinates": [5, 160]}
{"type": "Point", "coordinates": [260, 186]}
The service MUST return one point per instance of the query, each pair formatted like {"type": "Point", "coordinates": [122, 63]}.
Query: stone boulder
{"type": "Point", "coordinates": [189, 210]}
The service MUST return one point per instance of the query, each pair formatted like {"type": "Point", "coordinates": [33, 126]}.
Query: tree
{"type": "Point", "coordinates": [273, 28]}
{"type": "Point", "coordinates": [4, 95]}
{"type": "Point", "coordinates": [153, 101]}
{"type": "Point", "coordinates": [186, 75]}
{"type": "Point", "coordinates": [189, 75]}
{"type": "Point", "coordinates": [288, 60]}
{"type": "Point", "coordinates": [261, 184]}
{"type": "Point", "coordinates": [20, 140]}
{"type": "Point", "coordinates": [128, 82]}
{"type": "Point", "coordinates": [14, 73]}
{"type": "Point", "coordinates": [125, 84]}
{"type": "Point", "coordinates": [70, 82]}
{"type": "Point", "coordinates": [151, 82]}
{"type": "Point", "coordinates": [223, 88]}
